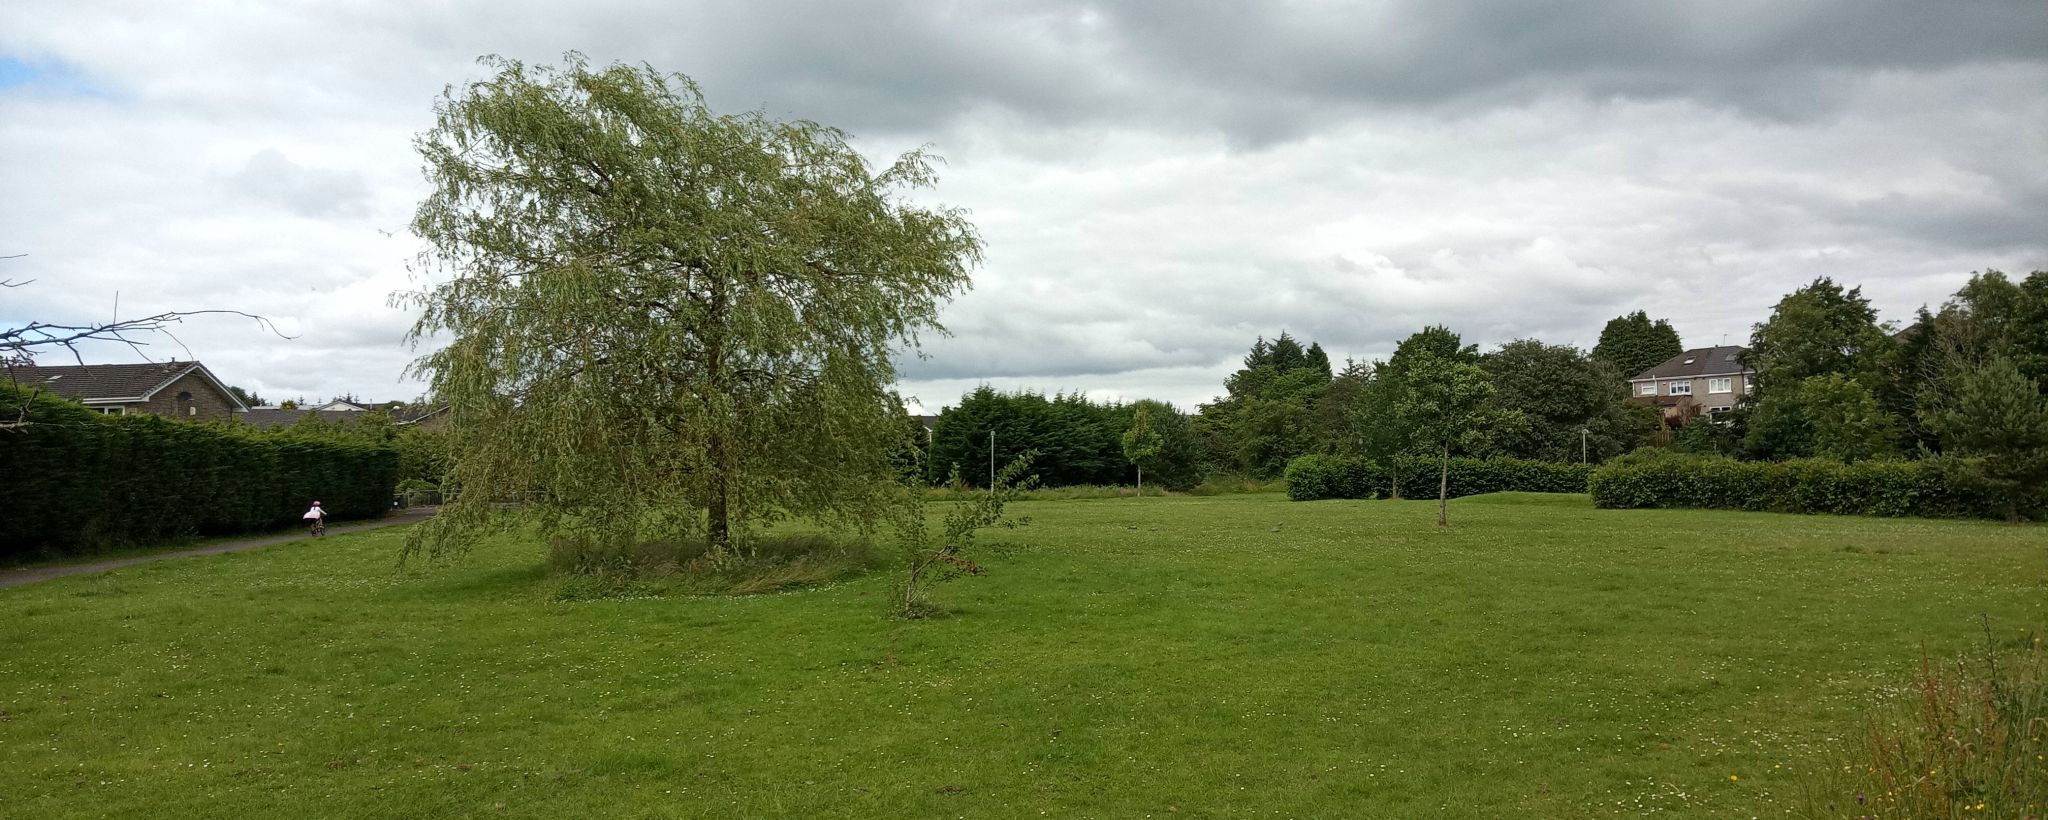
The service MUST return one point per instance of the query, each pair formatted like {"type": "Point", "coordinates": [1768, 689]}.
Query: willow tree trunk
{"type": "Point", "coordinates": [718, 517]}
{"type": "Point", "coordinates": [1443, 490]}
{"type": "Point", "coordinates": [717, 510]}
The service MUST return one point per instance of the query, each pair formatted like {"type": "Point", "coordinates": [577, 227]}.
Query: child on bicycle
{"type": "Point", "coordinates": [316, 520]}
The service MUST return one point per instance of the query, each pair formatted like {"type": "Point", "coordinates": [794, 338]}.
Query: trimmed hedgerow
{"type": "Point", "coordinates": [1314, 477]}
{"type": "Point", "coordinates": [1930, 488]}
{"type": "Point", "coordinates": [78, 481]}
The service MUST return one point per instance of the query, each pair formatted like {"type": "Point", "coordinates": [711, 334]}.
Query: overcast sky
{"type": "Point", "coordinates": [1157, 183]}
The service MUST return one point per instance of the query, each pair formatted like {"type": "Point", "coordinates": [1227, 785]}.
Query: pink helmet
{"type": "Point", "coordinates": [316, 503]}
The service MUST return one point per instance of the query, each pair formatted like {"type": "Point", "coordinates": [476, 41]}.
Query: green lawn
{"type": "Point", "coordinates": [1137, 657]}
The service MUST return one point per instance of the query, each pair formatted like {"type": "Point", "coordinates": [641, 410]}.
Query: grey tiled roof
{"type": "Point", "coordinates": [265, 418]}
{"type": "Point", "coordinates": [268, 417]}
{"type": "Point", "coordinates": [1705, 361]}
{"type": "Point", "coordinates": [103, 382]}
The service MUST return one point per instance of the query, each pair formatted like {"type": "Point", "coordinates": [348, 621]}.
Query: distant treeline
{"type": "Point", "coordinates": [1832, 381]}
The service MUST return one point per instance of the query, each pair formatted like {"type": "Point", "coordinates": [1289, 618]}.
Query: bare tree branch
{"type": "Point", "coordinates": [15, 342]}
{"type": "Point", "coordinates": [17, 345]}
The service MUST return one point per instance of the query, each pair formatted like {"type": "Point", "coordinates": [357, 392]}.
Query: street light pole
{"type": "Point", "coordinates": [991, 461]}
{"type": "Point", "coordinates": [1583, 433]}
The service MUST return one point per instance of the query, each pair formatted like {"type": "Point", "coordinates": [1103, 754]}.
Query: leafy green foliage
{"type": "Point", "coordinates": [1314, 477]}
{"type": "Point", "coordinates": [1370, 420]}
{"type": "Point", "coordinates": [78, 480]}
{"type": "Point", "coordinates": [1992, 316]}
{"type": "Point", "coordinates": [1931, 488]}
{"type": "Point", "coordinates": [1911, 368]}
{"type": "Point", "coordinates": [1828, 416]}
{"type": "Point", "coordinates": [247, 397]}
{"type": "Point", "coordinates": [929, 561]}
{"type": "Point", "coordinates": [1632, 344]}
{"type": "Point", "coordinates": [1818, 330]}
{"type": "Point", "coordinates": [1994, 411]}
{"type": "Point", "coordinates": [1720, 434]}
{"type": "Point", "coordinates": [1268, 415]}
{"type": "Point", "coordinates": [1142, 443]}
{"type": "Point", "coordinates": [1074, 441]}
{"type": "Point", "coordinates": [1449, 405]}
{"type": "Point", "coordinates": [667, 323]}
{"type": "Point", "coordinates": [1560, 392]}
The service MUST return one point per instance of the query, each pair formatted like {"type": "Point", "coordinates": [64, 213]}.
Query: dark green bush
{"type": "Point", "coordinates": [78, 481]}
{"type": "Point", "coordinates": [1313, 477]}
{"type": "Point", "coordinates": [1933, 488]}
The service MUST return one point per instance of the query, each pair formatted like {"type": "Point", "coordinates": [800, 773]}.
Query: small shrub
{"type": "Point", "coordinates": [930, 560]}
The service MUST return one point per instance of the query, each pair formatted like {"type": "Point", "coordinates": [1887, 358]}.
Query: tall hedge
{"type": "Point", "coordinates": [1930, 488]}
{"type": "Point", "coordinates": [76, 480]}
{"type": "Point", "coordinates": [1314, 477]}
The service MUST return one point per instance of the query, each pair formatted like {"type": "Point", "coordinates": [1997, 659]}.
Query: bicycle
{"type": "Point", "coordinates": [319, 527]}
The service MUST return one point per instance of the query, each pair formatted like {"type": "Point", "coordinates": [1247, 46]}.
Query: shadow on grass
{"type": "Point", "coordinates": [584, 571]}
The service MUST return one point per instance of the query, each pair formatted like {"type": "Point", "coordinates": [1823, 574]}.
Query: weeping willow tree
{"type": "Point", "coordinates": [666, 323]}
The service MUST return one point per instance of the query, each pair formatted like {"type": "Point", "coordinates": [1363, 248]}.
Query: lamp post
{"type": "Point", "coordinates": [1583, 433]}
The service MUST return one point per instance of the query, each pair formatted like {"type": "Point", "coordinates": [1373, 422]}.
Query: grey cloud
{"type": "Point", "coordinates": [1260, 71]}
{"type": "Point", "coordinates": [1158, 183]}
{"type": "Point", "coordinates": [270, 177]}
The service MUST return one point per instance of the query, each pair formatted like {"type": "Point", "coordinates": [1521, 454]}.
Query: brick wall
{"type": "Point", "coordinates": [206, 403]}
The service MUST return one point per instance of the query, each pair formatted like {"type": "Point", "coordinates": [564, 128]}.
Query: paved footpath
{"type": "Point", "coordinates": [15, 578]}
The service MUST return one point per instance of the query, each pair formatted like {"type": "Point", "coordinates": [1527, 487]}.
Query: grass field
{"type": "Point", "coordinates": [1172, 657]}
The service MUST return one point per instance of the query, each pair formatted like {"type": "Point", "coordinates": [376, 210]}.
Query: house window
{"type": "Point", "coordinates": [1678, 388]}
{"type": "Point", "coordinates": [1647, 389]}
{"type": "Point", "coordinates": [1748, 386]}
{"type": "Point", "coordinates": [1722, 409]}
{"type": "Point", "coordinates": [1720, 385]}
{"type": "Point", "coordinates": [116, 410]}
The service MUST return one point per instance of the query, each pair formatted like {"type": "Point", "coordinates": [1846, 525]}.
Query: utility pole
{"type": "Point", "coordinates": [1583, 433]}
{"type": "Point", "coordinates": [991, 461]}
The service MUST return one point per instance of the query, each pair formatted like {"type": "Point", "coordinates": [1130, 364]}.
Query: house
{"type": "Point", "coordinates": [184, 390]}
{"type": "Point", "coordinates": [350, 404]}
{"type": "Point", "coordinates": [427, 417]}
{"type": "Point", "coordinates": [264, 418]}
{"type": "Point", "coordinates": [1702, 381]}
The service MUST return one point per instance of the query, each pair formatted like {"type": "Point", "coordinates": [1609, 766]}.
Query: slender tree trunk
{"type": "Point", "coordinates": [910, 588]}
{"type": "Point", "coordinates": [1141, 482]}
{"type": "Point", "coordinates": [1443, 490]}
{"type": "Point", "coordinates": [718, 514]}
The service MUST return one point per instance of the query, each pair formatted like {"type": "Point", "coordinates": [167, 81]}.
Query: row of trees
{"type": "Point", "coordinates": [1072, 440]}
{"type": "Point", "coordinates": [1435, 396]}
{"type": "Point", "coordinates": [1832, 381]}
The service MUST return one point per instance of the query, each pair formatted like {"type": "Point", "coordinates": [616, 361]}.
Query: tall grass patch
{"type": "Point", "coordinates": [1967, 738]}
